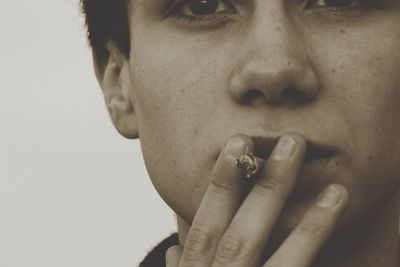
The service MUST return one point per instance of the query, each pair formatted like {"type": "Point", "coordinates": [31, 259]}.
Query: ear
{"type": "Point", "coordinates": [114, 79]}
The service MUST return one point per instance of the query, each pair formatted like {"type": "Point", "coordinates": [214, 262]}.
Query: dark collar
{"type": "Point", "coordinates": [156, 257]}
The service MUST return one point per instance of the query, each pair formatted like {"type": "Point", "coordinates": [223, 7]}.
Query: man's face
{"type": "Point", "coordinates": [202, 71]}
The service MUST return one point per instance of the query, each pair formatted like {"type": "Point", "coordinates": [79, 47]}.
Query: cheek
{"type": "Point", "coordinates": [168, 119]}
{"type": "Point", "coordinates": [362, 80]}
{"type": "Point", "coordinates": [371, 101]}
{"type": "Point", "coordinates": [175, 99]}
{"type": "Point", "coordinates": [363, 86]}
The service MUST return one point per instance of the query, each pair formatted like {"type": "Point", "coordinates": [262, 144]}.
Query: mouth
{"type": "Point", "coordinates": [265, 145]}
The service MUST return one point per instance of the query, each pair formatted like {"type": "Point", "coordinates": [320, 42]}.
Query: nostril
{"type": "Point", "coordinates": [291, 93]}
{"type": "Point", "coordinates": [252, 95]}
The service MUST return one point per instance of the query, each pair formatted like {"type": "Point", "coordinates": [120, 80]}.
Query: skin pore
{"type": "Point", "coordinates": [327, 70]}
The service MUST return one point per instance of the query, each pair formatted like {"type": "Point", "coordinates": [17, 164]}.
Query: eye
{"type": "Point", "coordinates": [334, 3]}
{"type": "Point", "coordinates": [196, 8]}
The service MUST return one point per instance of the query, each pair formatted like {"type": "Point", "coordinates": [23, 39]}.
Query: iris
{"type": "Point", "coordinates": [338, 3]}
{"type": "Point", "coordinates": [203, 7]}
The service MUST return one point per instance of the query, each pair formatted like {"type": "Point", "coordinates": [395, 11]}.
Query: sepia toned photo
{"type": "Point", "coordinates": [246, 133]}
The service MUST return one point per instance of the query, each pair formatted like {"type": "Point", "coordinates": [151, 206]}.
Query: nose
{"type": "Point", "coordinates": [273, 66]}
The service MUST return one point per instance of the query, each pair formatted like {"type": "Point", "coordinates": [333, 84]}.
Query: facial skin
{"type": "Point", "coordinates": [265, 68]}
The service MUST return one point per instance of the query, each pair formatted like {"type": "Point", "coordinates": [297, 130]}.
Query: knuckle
{"type": "Point", "coordinates": [220, 177]}
{"type": "Point", "coordinates": [278, 165]}
{"type": "Point", "coordinates": [267, 186]}
{"type": "Point", "coordinates": [309, 231]}
{"type": "Point", "coordinates": [226, 165]}
{"type": "Point", "coordinates": [232, 248]}
{"type": "Point", "coordinates": [220, 185]}
{"type": "Point", "coordinates": [223, 168]}
{"type": "Point", "coordinates": [198, 243]}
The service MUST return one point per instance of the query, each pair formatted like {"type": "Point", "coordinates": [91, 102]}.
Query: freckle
{"type": "Point", "coordinates": [342, 31]}
{"type": "Point", "coordinates": [183, 90]}
{"type": "Point", "coordinates": [333, 71]}
{"type": "Point", "coordinates": [370, 157]}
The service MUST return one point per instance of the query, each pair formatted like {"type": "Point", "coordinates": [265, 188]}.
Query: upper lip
{"type": "Point", "coordinates": [264, 145]}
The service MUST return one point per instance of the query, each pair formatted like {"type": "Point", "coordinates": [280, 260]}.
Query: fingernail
{"type": "Point", "coordinates": [285, 148]}
{"type": "Point", "coordinates": [330, 197]}
{"type": "Point", "coordinates": [235, 147]}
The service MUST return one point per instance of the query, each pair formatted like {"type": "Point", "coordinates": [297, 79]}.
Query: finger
{"type": "Point", "coordinates": [304, 243]}
{"type": "Point", "coordinates": [219, 204]}
{"type": "Point", "coordinates": [243, 241]}
{"type": "Point", "coordinates": [173, 256]}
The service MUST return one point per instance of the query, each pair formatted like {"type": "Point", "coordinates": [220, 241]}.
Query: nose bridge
{"type": "Point", "coordinates": [270, 26]}
{"type": "Point", "coordinates": [272, 59]}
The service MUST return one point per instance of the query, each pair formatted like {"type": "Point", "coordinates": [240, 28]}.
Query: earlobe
{"type": "Point", "coordinates": [115, 83]}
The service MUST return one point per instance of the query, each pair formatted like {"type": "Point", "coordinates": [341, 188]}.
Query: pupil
{"type": "Point", "coordinates": [338, 3]}
{"type": "Point", "coordinates": [204, 7]}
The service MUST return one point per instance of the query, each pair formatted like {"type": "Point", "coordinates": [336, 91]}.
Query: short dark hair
{"type": "Point", "coordinates": [106, 20]}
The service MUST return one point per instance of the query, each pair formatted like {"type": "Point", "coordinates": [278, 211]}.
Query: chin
{"type": "Point", "coordinates": [287, 222]}
{"type": "Point", "coordinates": [295, 209]}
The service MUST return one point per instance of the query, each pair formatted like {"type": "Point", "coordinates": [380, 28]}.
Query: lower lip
{"type": "Point", "coordinates": [318, 162]}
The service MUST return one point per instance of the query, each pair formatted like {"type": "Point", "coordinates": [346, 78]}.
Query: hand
{"type": "Point", "coordinates": [227, 231]}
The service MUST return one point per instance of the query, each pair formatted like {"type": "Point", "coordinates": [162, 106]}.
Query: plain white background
{"type": "Point", "coordinates": [72, 191]}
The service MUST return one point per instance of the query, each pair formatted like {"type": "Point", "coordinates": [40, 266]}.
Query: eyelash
{"type": "Point", "coordinates": [220, 17]}
{"type": "Point", "coordinates": [357, 9]}
{"type": "Point", "coordinates": [212, 19]}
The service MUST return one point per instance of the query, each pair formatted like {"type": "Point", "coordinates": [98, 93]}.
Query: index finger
{"type": "Point", "coordinates": [220, 203]}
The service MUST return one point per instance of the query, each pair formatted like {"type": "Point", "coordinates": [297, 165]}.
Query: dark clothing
{"type": "Point", "coordinates": [156, 257]}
